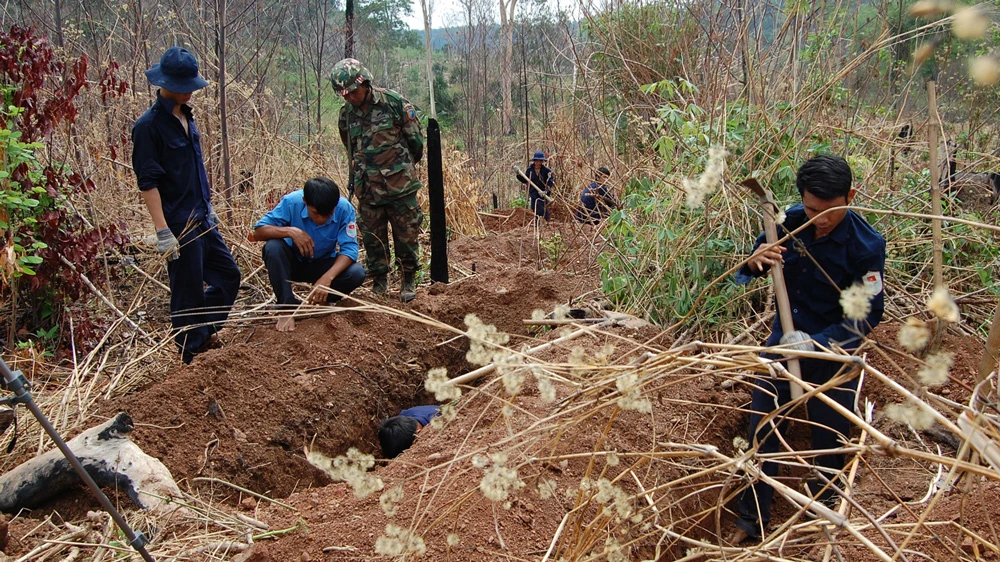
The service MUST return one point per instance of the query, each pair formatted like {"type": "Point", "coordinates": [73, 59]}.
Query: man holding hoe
{"type": "Point", "coordinates": [838, 250]}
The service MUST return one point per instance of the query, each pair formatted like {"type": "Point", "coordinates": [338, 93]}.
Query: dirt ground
{"type": "Point", "coordinates": [246, 413]}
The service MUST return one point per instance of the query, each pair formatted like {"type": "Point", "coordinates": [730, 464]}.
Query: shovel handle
{"type": "Point", "coordinates": [777, 276]}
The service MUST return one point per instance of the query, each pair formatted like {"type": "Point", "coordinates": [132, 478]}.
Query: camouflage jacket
{"type": "Point", "coordinates": [386, 142]}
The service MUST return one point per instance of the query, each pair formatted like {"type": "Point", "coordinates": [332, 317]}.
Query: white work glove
{"type": "Point", "coordinates": [798, 340]}
{"type": "Point", "coordinates": [213, 218]}
{"type": "Point", "coordinates": [166, 244]}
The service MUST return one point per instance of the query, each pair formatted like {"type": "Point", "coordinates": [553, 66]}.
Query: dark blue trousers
{"type": "Point", "coordinates": [284, 264]}
{"type": "Point", "coordinates": [204, 281]}
{"type": "Point", "coordinates": [539, 205]}
{"type": "Point", "coordinates": [829, 428]}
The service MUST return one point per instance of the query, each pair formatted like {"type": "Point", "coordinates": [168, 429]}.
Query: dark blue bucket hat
{"type": "Point", "coordinates": [539, 155]}
{"type": "Point", "coordinates": [177, 72]}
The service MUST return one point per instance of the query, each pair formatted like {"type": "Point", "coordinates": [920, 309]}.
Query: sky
{"type": "Point", "coordinates": [445, 12]}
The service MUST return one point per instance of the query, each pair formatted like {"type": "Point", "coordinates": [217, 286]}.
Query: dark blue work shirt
{"type": "Point", "coordinates": [165, 158]}
{"type": "Point", "coordinates": [854, 252]}
{"type": "Point", "coordinates": [596, 203]}
{"type": "Point", "coordinates": [543, 179]}
{"type": "Point", "coordinates": [423, 414]}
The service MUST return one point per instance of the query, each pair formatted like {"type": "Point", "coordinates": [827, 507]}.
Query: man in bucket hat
{"type": "Point", "coordinates": [168, 164]}
{"type": "Point", "coordinates": [539, 181]}
{"type": "Point", "coordinates": [382, 135]}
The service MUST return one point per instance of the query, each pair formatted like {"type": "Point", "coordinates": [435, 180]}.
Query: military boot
{"type": "Point", "coordinates": [408, 291]}
{"type": "Point", "coordinates": [380, 285]}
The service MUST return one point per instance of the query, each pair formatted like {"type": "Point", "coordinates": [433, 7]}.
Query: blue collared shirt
{"type": "Point", "coordinates": [165, 158]}
{"type": "Point", "coordinates": [854, 252]}
{"type": "Point", "coordinates": [336, 237]}
{"type": "Point", "coordinates": [423, 414]}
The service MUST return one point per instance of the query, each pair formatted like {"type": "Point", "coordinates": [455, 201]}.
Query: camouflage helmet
{"type": "Point", "coordinates": [348, 74]}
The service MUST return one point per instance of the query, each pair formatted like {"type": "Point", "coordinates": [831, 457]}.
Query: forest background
{"type": "Point", "coordinates": [645, 88]}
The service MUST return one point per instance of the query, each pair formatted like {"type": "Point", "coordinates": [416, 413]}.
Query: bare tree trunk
{"type": "Point", "coordinates": [227, 174]}
{"type": "Point", "coordinates": [320, 51]}
{"type": "Point", "coordinates": [57, 16]}
{"type": "Point", "coordinates": [349, 29]}
{"type": "Point", "coordinates": [427, 6]}
{"type": "Point", "coordinates": [507, 64]}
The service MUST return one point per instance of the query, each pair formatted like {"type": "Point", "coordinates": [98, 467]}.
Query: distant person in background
{"type": "Point", "coordinates": [539, 180]}
{"type": "Point", "coordinates": [396, 434]}
{"type": "Point", "coordinates": [597, 201]}
{"type": "Point", "coordinates": [311, 236]}
{"type": "Point", "coordinates": [168, 164]}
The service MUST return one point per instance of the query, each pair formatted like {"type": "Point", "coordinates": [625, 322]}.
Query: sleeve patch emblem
{"type": "Point", "coordinates": [873, 283]}
{"type": "Point", "coordinates": [352, 230]}
{"type": "Point", "coordinates": [410, 112]}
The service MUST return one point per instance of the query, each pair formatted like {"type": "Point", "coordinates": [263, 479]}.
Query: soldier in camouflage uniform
{"type": "Point", "coordinates": [382, 135]}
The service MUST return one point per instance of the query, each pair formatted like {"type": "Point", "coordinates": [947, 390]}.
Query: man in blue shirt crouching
{"type": "Point", "coordinates": [311, 237]}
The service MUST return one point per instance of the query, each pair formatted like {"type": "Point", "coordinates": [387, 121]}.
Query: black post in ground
{"type": "Point", "coordinates": [15, 382]}
{"type": "Point", "coordinates": [435, 192]}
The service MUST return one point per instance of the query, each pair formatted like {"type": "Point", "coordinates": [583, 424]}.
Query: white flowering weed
{"type": "Point", "coordinates": [709, 181]}
{"type": "Point", "coordinates": [943, 306]}
{"type": "Point", "coordinates": [484, 341]}
{"type": "Point", "coordinates": [985, 70]}
{"type": "Point", "coordinates": [499, 480]}
{"type": "Point", "coordinates": [437, 383]}
{"type": "Point", "coordinates": [970, 22]}
{"type": "Point", "coordinates": [612, 458]}
{"type": "Point", "coordinates": [741, 444]}
{"type": "Point", "coordinates": [390, 499]}
{"type": "Point", "coordinates": [914, 335]}
{"type": "Point", "coordinates": [398, 541]}
{"type": "Point", "coordinates": [856, 302]}
{"type": "Point", "coordinates": [546, 389]}
{"type": "Point", "coordinates": [631, 395]}
{"type": "Point", "coordinates": [353, 469]}
{"type": "Point", "coordinates": [452, 540]}
{"type": "Point", "coordinates": [935, 372]}
{"type": "Point", "coordinates": [546, 488]}
{"type": "Point", "coordinates": [916, 417]}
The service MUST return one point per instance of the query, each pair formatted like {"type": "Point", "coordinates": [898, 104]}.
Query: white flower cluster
{"type": "Point", "coordinates": [507, 411]}
{"type": "Point", "coordinates": [452, 540]}
{"type": "Point", "coordinates": [577, 356]}
{"type": "Point", "coordinates": [856, 302]}
{"type": "Point", "coordinates": [499, 480]}
{"type": "Point", "coordinates": [390, 499]}
{"type": "Point", "coordinates": [935, 372]}
{"type": "Point", "coordinates": [916, 417]}
{"type": "Point", "coordinates": [604, 354]}
{"type": "Point", "coordinates": [741, 444]}
{"type": "Point", "coordinates": [970, 22]}
{"type": "Point", "coordinates": [614, 551]}
{"type": "Point", "coordinates": [484, 341]}
{"type": "Point", "coordinates": [612, 458]}
{"type": "Point", "coordinates": [437, 382]}
{"type": "Point", "coordinates": [399, 541]}
{"type": "Point", "coordinates": [353, 469]}
{"type": "Point", "coordinates": [914, 335]}
{"type": "Point", "coordinates": [631, 395]}
{"type": "Point", "coordinates": [447, 413]}
{"type": "Point", "coordinates": [709, 181]}
{"type": "Point", "coordinates": [985, 69]}
{"type": "Point", "coordinates": [546, 389]}
{"type": "Point", "coordinates": [538, 314]}
{"type": "Point", "coordinates": [561, 312]}
{"type": "Point", "coordinates": [619, 499]}
{"type": "Point", "coordinates": [512, 373]}
{"type": "Point", "coordinates": [943, 306]}
{"type": "Point", "coordinates": [546, 488]}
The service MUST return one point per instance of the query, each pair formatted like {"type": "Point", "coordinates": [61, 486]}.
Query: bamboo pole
{"type": "Point", "coordinates": [934, 124]}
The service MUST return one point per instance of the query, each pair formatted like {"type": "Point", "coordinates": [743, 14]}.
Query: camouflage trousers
{"type": "Point", "coordinates": [405, 216]}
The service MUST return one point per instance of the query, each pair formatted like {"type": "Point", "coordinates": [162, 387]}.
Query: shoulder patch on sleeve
{"type": "Point", "coordinates": [352, 229]}
{"type": "Point", "coordinates": [410, 112]}
{"type": "Point", "coordinates": [873, 283]}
